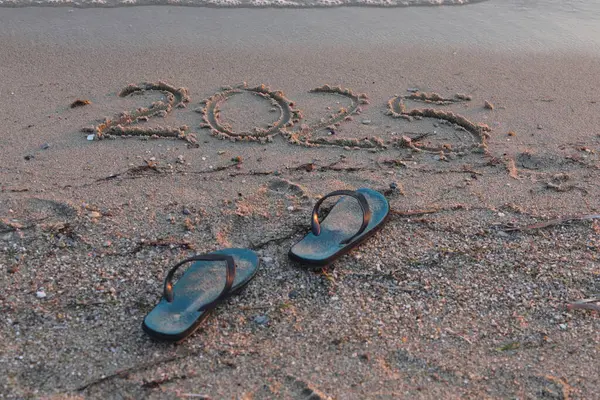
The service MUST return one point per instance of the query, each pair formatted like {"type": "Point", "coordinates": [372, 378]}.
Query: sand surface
{"type": "Point", "coordinates": [457, 297]}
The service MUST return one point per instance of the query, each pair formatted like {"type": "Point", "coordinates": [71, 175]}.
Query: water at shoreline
{"type": "Point", "coordinates": [235, 3]}
{"type": "Point", "coordinates": [501, 25]}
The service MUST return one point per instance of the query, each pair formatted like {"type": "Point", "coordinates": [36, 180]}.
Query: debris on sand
{"type": "Point", "coordinates": [462, 96]}
{"type": "Point", "coordinates": [511, 168]}
{"type": "Point", "coordinates": [592, 303]}
{"type": "Point", "coordinates": [433, 98]}
{"type": "Point", "coordinates": [488, 105]}
{"type": "Point", "coordinates": [80, 103]}
{"type": "Point", "coordinates": [554, 222]}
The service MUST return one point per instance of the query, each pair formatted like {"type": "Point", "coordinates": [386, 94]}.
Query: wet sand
{"type": "Point", "coordinates": [459, 296]}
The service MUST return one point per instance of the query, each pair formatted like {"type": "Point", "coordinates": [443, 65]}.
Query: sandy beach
{"type": "Point", "coordinates": [480, 123]}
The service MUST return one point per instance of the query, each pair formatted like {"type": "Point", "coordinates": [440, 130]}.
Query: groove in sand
{"type": "Point", "coordinates": [397, 109]}
{"type": "Point", "coordinates": [121, 126]}
{"type": "Point", "coordinates": [304, 136]}
{"type": "Point", "coordinates": [211, 110]}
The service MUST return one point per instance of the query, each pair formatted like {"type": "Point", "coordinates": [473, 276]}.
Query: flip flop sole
{"type": "Point", "coordinates": [315, 265]}
{"type": "Point", "coordinates": [177, 339]}
{"type": "Point", "coordinates": [200, 284]}
{"type": "Point", "coordinates": [320, 251]}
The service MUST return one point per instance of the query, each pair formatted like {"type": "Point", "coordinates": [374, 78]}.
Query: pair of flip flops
{"type": "Point", "coordinates": [214, 277]}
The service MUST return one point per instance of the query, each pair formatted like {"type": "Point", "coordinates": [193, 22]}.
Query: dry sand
{"type": "Point", "coordinates": [447, 301]}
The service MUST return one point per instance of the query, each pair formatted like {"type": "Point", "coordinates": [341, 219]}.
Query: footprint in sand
{"type": "Point", "coordinates": [288, 188]}
{"type": "Point", "coordinates": [21, 214]}
{"type": "Point", "coordinates": [290, 387]}
{"type": "Point", "coordinates": [423, 370]}
{"type": "Point", "coordinates": [34, 209]}
{"type": "Point", "coordinates": [534, 161]}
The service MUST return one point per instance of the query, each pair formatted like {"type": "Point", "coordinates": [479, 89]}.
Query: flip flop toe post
{"type": "Point", "coordinates": [208, 281]}
{"type": "Point", "coordinates": [355, 217]}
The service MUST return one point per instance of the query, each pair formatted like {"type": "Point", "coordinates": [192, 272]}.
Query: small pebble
{"type": "Point", "coordinates": [40, 294]}
{"type": "Point", "coordinates": [91, 137]}
{"type": "Point", "coordinates": [293, 294]}
{"type": "Point", "coordinates": [186, 211]}
{"type": "Point", "coordinates": [488, 105]}
{"type": "Point", "coordinates": [366, 121]}
{"type": "Point", "coordinates": [29, 157]}
{"type": "Point", "coordinates": [261, 319]}
{"type": "Point", "coordinates": [45, 146]}
{"type": "Point", "coordinates": [290, 208]}
{"type": "Point", "coordinates": [393, 185]}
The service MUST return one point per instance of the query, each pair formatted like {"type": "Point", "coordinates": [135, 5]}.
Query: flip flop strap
{"type": "Point", "coordinates": [230, 275]}
{"type": "Point", "coordinates": [315, 226]}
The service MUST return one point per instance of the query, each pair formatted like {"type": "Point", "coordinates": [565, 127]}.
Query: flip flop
{"type": "Point", "coordinates": [351, 221]}
{"type": "Point", "coordinates": [205, 284]}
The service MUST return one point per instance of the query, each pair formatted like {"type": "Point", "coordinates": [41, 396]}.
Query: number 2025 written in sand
{"type": "Point", "coordinates": [128, 124]}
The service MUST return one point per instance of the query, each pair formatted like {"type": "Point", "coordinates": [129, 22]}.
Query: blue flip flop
{"type": "Point", "coordinates": [352, 220]}
{"type": "Point", "coordinates": [205, 284]}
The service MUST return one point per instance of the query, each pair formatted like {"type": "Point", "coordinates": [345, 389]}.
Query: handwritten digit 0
{"type": "Point", "coordinates": [211, 114]}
